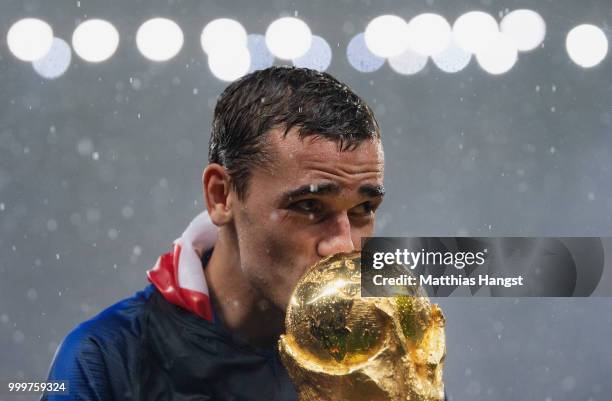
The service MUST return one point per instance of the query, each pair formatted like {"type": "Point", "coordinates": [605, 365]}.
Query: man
{"type": "Point", "coordinates": [295, 174]}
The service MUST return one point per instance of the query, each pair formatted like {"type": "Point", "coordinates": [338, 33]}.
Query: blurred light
{"type": "Point", "coordinates": [387, 35]}
{"type": "Point", "coordinates": [473, 31]}
{"type": "Point", "coordinates": [452, 59]}
{"type": "Point", "coordinates": [527, 28]}
{"type": "Point", "coordinates": [360, 57]}
{"type": "Point", "coordinates": [500, 56]}
{"type": "Point", "coordinates": [223, 33]}
{"type": "Point", "coordinates": [288, 38]}
{"type": "Point", "coordinates": [56, 62]}
{"type": "Point", "coordinates": [95, 40]}
{"type": "Point", "coordinates": [29, 39]}
{"type": "Point", "coordinates": [229, 66]}
{"type": "Point", "coordinates": [586, 45]}
{"type": "Point", "coordinates": [318, 57]}
{"type": "Point", "coordinates": [159, 39]}
{"type": "Point", "coordinates": [429, 34]}
{"type": "Point", "coordinates": [408, 63]}
{"type": "Point", "coordinates": [260, 55]}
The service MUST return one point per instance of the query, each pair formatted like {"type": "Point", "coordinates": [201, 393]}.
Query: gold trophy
{"type": "Point", "coordinates": [339, 346]}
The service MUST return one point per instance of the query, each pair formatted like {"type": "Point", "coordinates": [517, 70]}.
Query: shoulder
{"type": "Point", "coordinates": [114, 324]}
{"type": "Point", "coordinates": [105, 343]}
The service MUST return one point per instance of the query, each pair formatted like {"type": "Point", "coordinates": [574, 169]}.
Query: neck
{"type": "Point", "coordinates": [241, 307]}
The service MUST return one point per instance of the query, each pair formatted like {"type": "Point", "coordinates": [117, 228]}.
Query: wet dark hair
{"type": "Point", "coordinates": [314, 102]}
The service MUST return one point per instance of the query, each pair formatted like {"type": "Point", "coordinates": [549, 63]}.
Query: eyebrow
{"type": "Point", "coordinates": [328, 188]}
{"type": "Point", "coordinates": [372, 191]}
{"type": "Point", "coordinates": [331, 188]}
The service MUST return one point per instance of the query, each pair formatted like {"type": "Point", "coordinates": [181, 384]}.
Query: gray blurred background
{"type": "Point", "coordinates": [100, 171]}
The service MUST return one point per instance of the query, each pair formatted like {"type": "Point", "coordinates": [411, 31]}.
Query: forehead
{"type": "Point", "coordinates": [319, 158]}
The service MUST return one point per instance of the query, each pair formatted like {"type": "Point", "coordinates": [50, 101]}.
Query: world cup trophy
{"type": "Point", "coordinates": [340, 346]}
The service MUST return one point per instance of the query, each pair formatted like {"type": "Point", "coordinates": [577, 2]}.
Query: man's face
{"type": "Point", "coordinates": [313, 201]}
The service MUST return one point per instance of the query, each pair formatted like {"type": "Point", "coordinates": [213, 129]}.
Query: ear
{"type": "Point", "coordinates": [217, 194]}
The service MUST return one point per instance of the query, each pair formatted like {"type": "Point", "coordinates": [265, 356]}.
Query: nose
{"type": "Point", "coordinates": [337, 238]}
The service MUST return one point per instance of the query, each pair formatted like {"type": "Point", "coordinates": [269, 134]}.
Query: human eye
{"type": "Point", "coordinates": [364, 209]}
{"type": "Point", "coordinates": [308, 206]}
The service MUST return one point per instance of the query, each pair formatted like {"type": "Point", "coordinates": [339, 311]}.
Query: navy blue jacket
{"type": "Point", "coordinates": [145, 348]}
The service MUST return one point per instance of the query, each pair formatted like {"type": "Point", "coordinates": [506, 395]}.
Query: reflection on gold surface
{"type": "Point", "coordinates": [339, 346]}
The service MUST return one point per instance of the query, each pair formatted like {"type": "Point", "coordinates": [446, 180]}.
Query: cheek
{"type": "Point", "coordinates": [361, 231]}
{"type": "Point", "coordinates": [274, 257]}
{"type": "Point", "coordinates": [269, 254]}
{"type": "Point", "coordinates": [276, 249]}
{"type": "Point", "coordinates": [274, 239]}
{"type": "Point", "coordinates": [275, 269]}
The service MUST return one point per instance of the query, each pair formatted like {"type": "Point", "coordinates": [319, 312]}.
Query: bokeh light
{"type": "Point", "coordinates": [474, 31]}
{"type": "Point", "coordinates": [95, 40]}
{"type": "Point", "coordinates": [29, 39]}
{"type": "Point", "coordinates": [318, 57]}
{"type": "Point", "coordinates": [526, 27]}
{"type": "Point", "coordinates": [288, 38]}
{"type": "Point", "coordinates": [387, 36]}
{"type": "Point", "coordinates": [499, 56]}
{"type": "Point", "coordinates": [452, 59]}
{"type": "Point", "coordinates": [56, 62]}
{"type": "Point", "coordinates": [586, 45]}
{"type": "Point", "coordinates": [159, 39]}
{"type": "Point", "coordinates": [360, 57]}
{"type": "Point", "coordinates": [408, 63]}
{"type": "Point", "coordinates": [231, 65]}
{"type": "Point", "coordinates": [222, 34]}
{"type": "Point", "coordinates": [429, 34]}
